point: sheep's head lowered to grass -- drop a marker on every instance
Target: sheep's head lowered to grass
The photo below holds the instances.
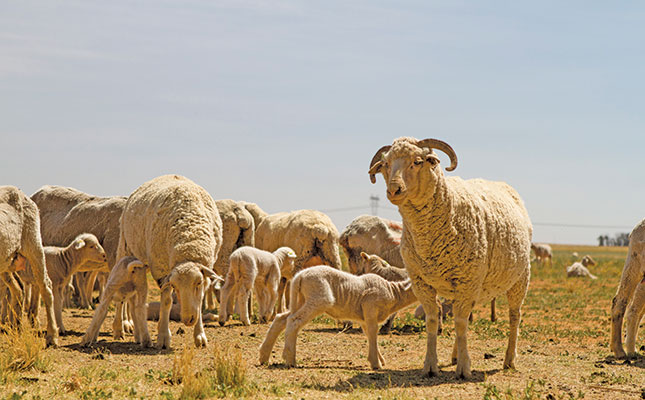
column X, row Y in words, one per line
column 188, row 280
column 410, row 167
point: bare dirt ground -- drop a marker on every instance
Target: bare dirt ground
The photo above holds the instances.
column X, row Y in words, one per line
column 563, row 353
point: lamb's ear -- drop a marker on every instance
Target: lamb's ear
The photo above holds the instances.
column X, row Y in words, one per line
column 407, row 284
column 133, row 265
column 365, row 256
column 78, row 244
column 209, row 273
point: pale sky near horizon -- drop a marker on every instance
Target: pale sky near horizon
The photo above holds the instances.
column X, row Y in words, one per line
column 283, row 103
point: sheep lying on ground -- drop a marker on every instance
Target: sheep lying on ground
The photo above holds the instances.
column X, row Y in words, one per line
column 250, row 269
column 172, row 225
column 62, row 263
column 126, row 281
column 367, row 299
column 465, row 240
column 631, row 292
column 311, row 234
column 66, row 212
column 175, row 313
column 20, row 242
column 542, row 252
column 579, row 269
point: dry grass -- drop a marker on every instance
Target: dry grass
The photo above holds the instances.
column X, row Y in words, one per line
column 21, row 350
column 563, row 353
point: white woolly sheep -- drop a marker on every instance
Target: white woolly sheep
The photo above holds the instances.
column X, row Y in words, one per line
column 579, row 269
column 372, row 235
column 67, row 212
column 631, row 292
column 254, row 269
column 127, row 281
column 61, row 264
column 542, row 252
column 311, row 234
column 172, row 225
column 465, row 240
column 367, row 299
column 20, row 237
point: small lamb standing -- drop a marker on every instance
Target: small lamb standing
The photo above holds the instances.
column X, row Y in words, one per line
column 20, row 241
column 631, row 292
column 367, row 299
column 126, row 281
column 172, row 225
column 62, row 263
column 579, row 269
column 466, row 240
column 254, row 268
column 542, row 252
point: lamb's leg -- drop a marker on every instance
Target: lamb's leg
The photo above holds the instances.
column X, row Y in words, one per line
column 278, row 325
column 493, row 315
column 428, row 297
column 515, row 295
column 117, row 324
column 370, row 329
column 16, row 298
column 58, row 307
column 99, row 316
column 295, row 322
column 281, row 295
column 633, row 318
column 89, row 286
column 243, row 298
column 164, row 335
column 141, row 314
column 225, row 298
column 630, row 278
column 387, row 326
column 34, row 302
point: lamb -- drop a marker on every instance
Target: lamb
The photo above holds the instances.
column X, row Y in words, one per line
column 61, row 264
column 311, row 234
column 579, row 269
column 367, row 299
column 238, row 229
column 175, row 313
column 67, row 212
column 172, row 225
column 464, row 240
column 127, row 281
column 20, row 242
column 542, row 252
column 631, row 292
column 251, row 268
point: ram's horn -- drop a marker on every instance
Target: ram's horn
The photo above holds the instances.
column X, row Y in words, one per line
column 443, row 146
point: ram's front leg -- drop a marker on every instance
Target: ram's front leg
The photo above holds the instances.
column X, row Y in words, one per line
column 428, row 297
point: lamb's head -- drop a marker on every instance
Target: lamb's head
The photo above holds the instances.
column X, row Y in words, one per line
column 89, row 250
column 287, row 257
column 587, row 260
column 188, row 280
column 370, row 262
column 410, row 167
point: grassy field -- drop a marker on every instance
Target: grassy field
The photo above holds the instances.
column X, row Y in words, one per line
column 563, row 353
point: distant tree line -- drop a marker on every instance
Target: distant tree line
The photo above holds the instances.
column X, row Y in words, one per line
column 621, row 239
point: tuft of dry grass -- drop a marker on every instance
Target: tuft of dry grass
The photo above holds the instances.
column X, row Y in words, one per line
column 21, row 349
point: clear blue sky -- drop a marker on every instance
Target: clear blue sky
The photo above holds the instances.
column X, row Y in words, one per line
column 284, row 103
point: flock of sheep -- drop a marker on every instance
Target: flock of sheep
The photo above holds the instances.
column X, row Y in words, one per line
column 461, row 242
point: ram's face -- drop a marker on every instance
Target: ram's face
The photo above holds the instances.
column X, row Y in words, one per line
column 406, row 170
column 188, row 280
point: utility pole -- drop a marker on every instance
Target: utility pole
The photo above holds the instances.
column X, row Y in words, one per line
column 374, row 204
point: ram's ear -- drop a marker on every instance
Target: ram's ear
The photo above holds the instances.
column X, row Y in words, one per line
column 432, row 159
column 78, row 244
column 133, row 265
column 365, row 256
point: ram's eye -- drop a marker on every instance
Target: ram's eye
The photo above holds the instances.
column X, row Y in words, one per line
column 418, row 161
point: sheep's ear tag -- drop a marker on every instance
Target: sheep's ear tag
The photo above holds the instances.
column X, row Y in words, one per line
column 291, row 254
column 79, row 244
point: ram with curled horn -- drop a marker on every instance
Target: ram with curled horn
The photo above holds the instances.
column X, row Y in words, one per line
column 465, row 240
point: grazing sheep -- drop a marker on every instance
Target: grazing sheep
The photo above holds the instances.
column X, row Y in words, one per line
column 579, row 269
column 249, row 269
column 631, row 292
column 127, row 281
column 542, row 252
column 372, row 235
column 61, row 264
column 19, row 242
column 465, row 240
column 367, row 299
column 172, row 225
column 311, row 234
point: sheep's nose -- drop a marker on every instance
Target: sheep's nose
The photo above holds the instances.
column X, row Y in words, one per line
column 393, row 191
